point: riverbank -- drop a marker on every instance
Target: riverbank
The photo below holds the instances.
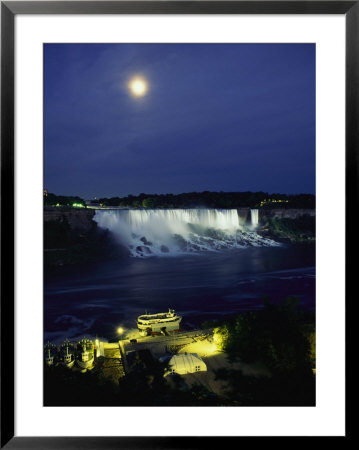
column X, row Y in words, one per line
column 299, row 229
column 71, row 237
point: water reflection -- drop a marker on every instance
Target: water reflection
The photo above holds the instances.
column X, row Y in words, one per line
column 99, row 297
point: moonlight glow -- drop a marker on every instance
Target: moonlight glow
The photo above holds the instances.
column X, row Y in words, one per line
column 138, row 86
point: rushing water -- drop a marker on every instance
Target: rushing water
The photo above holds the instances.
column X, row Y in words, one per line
column 95, row 299
column 254, row 217
column 180, row 231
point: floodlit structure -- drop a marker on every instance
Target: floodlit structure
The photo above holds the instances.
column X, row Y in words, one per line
column 158, row 323
column 185, row 363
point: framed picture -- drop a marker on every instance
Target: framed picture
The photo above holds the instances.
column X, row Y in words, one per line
column 175, row 182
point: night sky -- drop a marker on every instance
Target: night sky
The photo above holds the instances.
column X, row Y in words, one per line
column 231, row 117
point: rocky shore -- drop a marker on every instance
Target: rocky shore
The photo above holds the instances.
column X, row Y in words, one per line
column 71, row 237
column 295, row 228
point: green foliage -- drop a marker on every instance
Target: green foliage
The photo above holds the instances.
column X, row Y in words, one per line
column 63, row 200
column 209, row 200
column 276, row 336
column 149, row 202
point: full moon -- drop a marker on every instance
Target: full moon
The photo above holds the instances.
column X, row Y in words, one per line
column 138, row 86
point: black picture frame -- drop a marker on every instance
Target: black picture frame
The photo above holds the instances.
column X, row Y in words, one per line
column 9, row 9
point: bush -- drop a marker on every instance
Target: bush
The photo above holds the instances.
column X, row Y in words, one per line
column 276, row 336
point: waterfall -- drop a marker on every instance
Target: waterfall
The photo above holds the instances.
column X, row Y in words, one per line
column 254, row 217
column 168, row 232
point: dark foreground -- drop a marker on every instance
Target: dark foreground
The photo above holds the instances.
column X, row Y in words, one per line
column 278, row 341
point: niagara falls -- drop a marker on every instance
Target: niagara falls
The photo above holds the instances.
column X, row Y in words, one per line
column 175, row 231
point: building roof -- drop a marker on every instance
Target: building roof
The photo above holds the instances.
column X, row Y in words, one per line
column 185, row 361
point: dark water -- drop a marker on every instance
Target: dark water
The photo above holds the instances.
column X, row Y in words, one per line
column 95, row 299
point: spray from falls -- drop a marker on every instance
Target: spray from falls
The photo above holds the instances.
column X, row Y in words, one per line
column 174, row 231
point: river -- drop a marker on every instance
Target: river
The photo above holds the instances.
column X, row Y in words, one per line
column 95, row 299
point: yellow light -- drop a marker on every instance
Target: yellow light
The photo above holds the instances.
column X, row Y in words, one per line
column 138, row 86
column 120, row 330
column 220, row 337
column 217, row 339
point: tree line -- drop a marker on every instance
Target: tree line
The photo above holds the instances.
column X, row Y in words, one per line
column 63, row 200
column 205, row 199
column 212, row 200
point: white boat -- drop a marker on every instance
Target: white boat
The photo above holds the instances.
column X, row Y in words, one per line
column 158, row 323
